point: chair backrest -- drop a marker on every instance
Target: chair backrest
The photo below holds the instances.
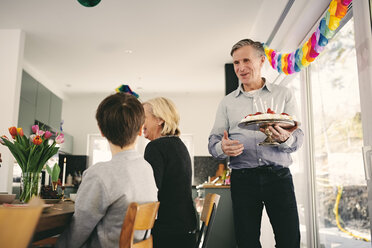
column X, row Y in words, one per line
column 207, row 216
column 18, row 223
column 138, row 217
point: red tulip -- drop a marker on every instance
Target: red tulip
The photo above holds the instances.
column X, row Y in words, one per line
column 13, row 131
column 37, row 140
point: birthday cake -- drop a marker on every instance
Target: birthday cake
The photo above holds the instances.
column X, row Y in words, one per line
column 270, row 115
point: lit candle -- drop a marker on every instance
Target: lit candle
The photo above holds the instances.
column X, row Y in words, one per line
column 255, row 104
column 64, row 172
column 263, row 109
column 46, row 178
column 272, row 104
column 276, row 108
column 283, row 106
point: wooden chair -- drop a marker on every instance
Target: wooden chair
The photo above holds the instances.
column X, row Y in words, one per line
column 17, row 224
column 138, row 217
column 207, row 217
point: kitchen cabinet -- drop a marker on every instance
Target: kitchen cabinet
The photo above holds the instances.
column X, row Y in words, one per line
column 222, row 232
column 29, row 88
column 27, row 104
column 55, row 112
column 38, row 103
column 42, row 104
column 26, row 116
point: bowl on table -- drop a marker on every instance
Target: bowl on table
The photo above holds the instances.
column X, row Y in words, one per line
column 7, row 198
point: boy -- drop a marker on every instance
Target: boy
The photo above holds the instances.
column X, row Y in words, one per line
column 108, row 188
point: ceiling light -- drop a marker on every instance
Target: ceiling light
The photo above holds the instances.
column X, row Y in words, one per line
column 89, row 3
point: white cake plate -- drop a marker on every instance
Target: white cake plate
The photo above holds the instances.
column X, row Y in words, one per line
column 256, row 124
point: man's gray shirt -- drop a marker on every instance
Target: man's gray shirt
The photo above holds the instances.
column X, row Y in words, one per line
column 238, row 104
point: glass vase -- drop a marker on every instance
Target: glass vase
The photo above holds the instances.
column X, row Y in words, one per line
column 30, row 185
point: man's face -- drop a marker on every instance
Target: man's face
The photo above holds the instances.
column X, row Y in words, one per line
column 247, row 65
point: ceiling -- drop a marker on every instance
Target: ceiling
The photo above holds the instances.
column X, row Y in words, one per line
column 154, row 46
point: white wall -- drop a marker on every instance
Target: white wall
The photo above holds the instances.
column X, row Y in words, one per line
column 11, row 50
column 197, row 112
column 78, row 114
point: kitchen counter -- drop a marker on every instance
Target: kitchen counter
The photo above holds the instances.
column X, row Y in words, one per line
column 222, row 230
column 214, row 186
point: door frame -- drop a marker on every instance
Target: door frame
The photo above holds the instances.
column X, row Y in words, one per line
column 363, row 46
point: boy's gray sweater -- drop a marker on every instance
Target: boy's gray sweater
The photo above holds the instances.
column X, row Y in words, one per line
column 103, row 197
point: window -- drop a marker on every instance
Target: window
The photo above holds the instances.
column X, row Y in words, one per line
column 340, row 186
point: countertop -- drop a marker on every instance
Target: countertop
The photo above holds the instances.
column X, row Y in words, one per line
column 212, row 186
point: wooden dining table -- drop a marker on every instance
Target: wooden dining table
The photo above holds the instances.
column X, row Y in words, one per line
column 54, row 220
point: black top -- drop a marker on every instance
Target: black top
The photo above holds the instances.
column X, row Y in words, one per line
column 171, row 163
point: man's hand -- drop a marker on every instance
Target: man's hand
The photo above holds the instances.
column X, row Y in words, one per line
column 280, row 134
column 230, row 147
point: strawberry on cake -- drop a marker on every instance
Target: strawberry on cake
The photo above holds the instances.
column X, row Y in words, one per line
column 270, row 115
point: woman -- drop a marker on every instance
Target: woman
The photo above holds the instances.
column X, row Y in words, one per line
column 170, row 160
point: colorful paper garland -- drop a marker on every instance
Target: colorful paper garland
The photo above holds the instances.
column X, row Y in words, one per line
column 290, row 63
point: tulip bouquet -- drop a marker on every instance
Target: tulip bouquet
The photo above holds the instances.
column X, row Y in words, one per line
column 31, row 154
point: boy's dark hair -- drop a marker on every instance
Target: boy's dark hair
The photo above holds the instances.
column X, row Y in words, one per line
column 120, row 117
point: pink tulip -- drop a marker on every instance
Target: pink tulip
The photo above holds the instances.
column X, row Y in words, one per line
column 35, row 128
column 40, row 132
column 47, row 135
column 60, row 138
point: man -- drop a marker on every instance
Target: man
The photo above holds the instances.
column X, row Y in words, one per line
column 260, row 175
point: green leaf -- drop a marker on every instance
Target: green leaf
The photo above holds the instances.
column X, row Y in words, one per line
column 49, row 170
column 54, row 173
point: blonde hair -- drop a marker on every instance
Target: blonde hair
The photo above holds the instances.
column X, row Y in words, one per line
column 165, row 109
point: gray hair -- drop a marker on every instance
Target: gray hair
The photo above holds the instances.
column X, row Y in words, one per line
column 248, row 42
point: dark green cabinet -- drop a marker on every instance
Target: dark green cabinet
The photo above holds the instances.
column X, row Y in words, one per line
column 38, row 103
column 26, row 116
column 55, row 112
column 29, row 88
column 42, row 104
column 222, row 232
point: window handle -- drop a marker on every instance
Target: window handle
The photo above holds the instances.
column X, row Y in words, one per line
column 367, row 161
